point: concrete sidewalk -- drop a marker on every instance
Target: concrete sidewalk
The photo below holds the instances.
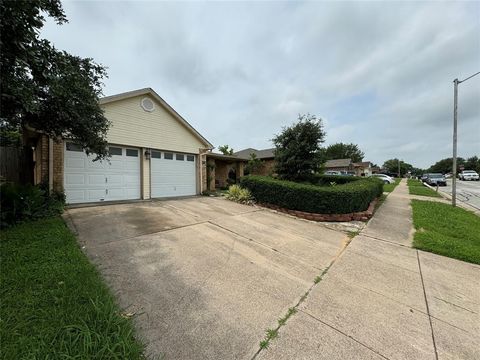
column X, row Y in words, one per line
column 383, row 299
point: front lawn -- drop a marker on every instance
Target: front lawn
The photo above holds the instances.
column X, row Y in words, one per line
column 445, row 230
column 415, row 187
column 54, row 305
column 390, row 187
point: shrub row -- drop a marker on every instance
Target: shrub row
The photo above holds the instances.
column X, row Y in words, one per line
column 351, row 197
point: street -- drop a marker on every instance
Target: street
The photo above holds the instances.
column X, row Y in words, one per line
column 467, row 191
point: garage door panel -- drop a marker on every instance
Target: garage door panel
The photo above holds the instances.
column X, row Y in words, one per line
column 86, row 180
column 172, row 177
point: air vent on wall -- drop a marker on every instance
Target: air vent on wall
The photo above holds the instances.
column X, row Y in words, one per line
column 147, row 104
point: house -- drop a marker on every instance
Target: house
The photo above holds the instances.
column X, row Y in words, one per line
column 363, row 168
column 155, row 153
column 267, row 156
column 223, row 170
column 344, row 165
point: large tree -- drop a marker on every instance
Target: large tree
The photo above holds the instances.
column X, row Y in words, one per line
column 298, row 148
column 43, row 88
column 392, row 166
column 446, row 165
column 344, row 151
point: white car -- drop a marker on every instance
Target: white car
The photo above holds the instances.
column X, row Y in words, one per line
column 469, row 175
column 386, row 179
column 332, row 172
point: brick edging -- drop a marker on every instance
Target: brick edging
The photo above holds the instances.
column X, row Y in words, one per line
column 358, row 216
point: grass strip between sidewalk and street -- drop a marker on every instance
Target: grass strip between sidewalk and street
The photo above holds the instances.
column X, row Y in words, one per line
column 390, row 187
column 54, row 304
column 446, row 230
column 415, row 187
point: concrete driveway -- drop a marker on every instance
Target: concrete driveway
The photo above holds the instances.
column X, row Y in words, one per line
column 205, row 277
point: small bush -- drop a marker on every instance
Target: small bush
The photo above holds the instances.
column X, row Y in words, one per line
column 353, row 196
column 28, row 202
column 238, row 194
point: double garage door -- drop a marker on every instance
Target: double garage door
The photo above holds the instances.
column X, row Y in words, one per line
column 119, row 177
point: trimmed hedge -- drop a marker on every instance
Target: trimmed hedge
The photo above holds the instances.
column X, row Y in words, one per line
column 351, row 197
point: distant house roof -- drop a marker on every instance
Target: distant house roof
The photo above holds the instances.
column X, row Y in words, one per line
column 337, row 163
column 364, row 164
column 261, row 154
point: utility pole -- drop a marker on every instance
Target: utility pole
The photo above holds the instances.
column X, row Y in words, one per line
column 454, row 165
column 399, row 173
column 454, row 162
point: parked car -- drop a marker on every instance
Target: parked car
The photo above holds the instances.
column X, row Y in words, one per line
column 424, row 177
column 332, row 172
column 469, row 175
column 386, row 179
column 436, row 180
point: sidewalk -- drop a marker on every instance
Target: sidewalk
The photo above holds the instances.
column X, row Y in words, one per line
column 383, row 299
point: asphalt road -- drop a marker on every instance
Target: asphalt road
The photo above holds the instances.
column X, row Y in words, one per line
column 467, row 191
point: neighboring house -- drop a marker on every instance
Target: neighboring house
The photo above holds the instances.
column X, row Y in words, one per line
column 363, row 168
column 267, row 156
column 154, row 151
column 344, row 165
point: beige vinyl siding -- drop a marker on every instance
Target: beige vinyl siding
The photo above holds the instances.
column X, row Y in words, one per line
column 131, row 125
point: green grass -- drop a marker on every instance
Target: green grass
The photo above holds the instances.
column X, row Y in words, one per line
column 54, row 304
column 445, row 230
column 391, row 187
column 415, row 187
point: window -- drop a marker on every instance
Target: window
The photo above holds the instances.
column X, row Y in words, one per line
column 115, row 150
column 190, row 158
column 168, row 156
column 74, row 147
column 180, row 157
column 132, row 152
column 156, row 154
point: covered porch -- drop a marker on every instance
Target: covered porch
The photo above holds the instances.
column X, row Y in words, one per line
column 223, row 170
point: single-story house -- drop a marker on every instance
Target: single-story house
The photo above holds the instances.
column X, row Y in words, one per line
column 346, row 165
column 267, row 156
column 154, row 152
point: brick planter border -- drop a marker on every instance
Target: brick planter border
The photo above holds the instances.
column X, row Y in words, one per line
column 357, row 216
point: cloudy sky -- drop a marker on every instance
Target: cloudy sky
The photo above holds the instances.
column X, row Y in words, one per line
column 379, row 74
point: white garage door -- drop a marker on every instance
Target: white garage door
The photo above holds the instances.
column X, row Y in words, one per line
column 172, row 174
column 89, row 181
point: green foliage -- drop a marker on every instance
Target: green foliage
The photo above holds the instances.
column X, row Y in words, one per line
column 239, row 194
column 416, row 187
column 225, row 150
column 298, row 153
column 54, row 303
column 392, row 166
column 44, row 88
column 391, row 187
column 27, row 202
column 446, row 230
column 10, row 135
column 254, row 164
column 445, row 166
column 340, row 199
column 344, row 151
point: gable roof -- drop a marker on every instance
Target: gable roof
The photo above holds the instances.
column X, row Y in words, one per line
column 261, row 154
column 151, row 92
column 338, row 163
column 363, row 164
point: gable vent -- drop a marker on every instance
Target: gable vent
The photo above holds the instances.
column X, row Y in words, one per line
column 147, row 104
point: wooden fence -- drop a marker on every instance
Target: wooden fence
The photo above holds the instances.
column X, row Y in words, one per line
column 16, row 164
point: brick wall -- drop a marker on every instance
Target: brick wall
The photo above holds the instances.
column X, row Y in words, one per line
column 267, row 168
column 58, row 165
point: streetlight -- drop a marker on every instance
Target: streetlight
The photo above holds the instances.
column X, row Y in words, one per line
column 455, row 106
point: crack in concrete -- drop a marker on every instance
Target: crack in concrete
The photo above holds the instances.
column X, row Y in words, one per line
column 428, row 309
column 305, row 296
column 458, row 306
column 344, row 334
